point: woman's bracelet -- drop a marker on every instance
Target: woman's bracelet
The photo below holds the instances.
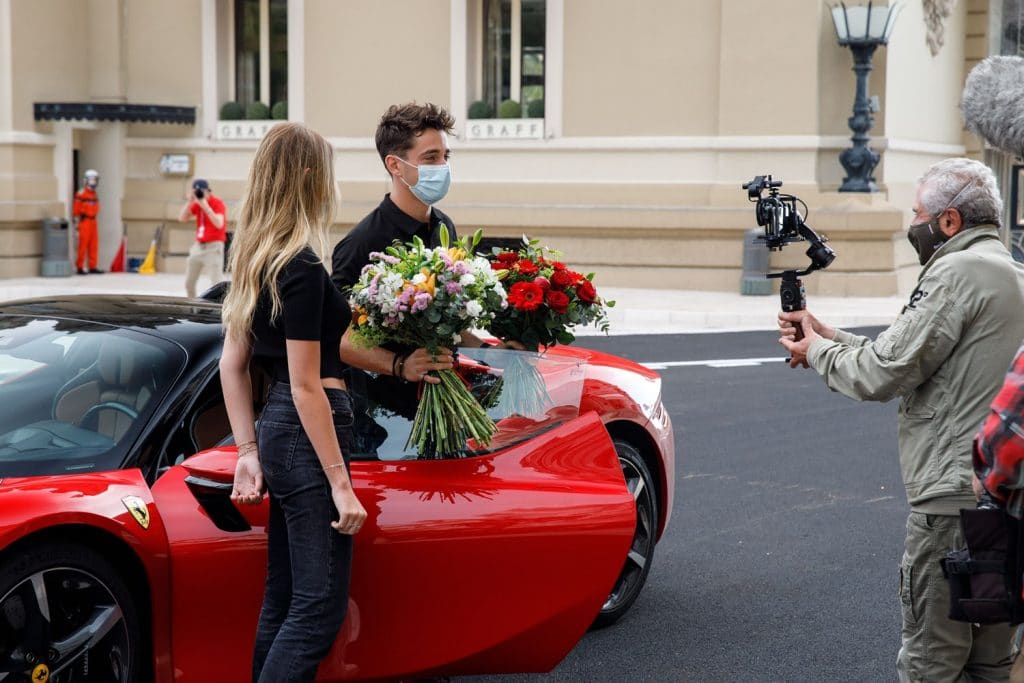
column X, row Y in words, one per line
column 331, row 467
column 247, row 448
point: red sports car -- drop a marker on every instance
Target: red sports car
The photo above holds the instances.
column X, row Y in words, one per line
column 123, row 559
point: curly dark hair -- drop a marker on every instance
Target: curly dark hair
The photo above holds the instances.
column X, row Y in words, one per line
column 402, row 123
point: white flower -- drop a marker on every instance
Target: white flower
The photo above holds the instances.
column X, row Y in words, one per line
column 456, row 338
column 419, row 279
column 474, row 309
column 467, row 279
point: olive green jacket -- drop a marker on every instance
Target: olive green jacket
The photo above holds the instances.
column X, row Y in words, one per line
column 945, row 355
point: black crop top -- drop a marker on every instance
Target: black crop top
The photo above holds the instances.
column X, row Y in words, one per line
column 312, row 309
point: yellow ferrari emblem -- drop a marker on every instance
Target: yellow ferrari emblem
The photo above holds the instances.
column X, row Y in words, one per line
column 41, row 674
column 138, row 509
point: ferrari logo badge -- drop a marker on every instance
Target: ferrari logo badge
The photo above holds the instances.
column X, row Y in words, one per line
column 41, row 673
column 137, row 507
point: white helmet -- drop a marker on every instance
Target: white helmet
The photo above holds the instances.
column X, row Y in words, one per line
column 92, row 174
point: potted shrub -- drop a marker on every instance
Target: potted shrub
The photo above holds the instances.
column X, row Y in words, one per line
column 279, row 111
column 232, row 111
column 480, row 110
column 257, row 111
column 510, row 109
column 535, row 109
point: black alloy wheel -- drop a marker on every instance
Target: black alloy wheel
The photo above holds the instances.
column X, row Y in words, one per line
column 66, row 617
column 641, row 552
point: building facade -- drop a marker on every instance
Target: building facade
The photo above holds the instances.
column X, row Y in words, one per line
column 617, row 132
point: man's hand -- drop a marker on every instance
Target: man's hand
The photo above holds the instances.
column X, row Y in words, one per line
column 788, row 323
column 510, row 344
column 979, row 489
column 421, row 361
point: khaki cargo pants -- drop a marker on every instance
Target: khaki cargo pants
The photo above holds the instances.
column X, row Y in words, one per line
column 204, row 257
column 935, row 648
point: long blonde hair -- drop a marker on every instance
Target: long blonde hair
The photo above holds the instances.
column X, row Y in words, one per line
column 289, row 204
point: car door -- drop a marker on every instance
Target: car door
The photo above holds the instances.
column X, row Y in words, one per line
column 485, row 564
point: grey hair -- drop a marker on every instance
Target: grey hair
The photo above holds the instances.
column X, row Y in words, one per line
column 966, row 185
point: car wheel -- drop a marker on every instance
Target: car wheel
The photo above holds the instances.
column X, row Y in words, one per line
column 66, row 616
column 641, row 551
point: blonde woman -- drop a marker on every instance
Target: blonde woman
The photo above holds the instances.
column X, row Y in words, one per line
column 283, row 313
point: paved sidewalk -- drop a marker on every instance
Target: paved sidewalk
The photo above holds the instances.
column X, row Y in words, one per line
column 636, row 311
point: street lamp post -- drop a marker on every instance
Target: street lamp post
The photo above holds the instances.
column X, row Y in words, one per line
column 862, row 29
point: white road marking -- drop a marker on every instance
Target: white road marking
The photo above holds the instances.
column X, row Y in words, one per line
column 722, row 363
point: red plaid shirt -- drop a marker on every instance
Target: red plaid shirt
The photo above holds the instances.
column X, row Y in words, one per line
column 999, row 446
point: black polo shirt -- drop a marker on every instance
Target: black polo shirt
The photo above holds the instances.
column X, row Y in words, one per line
column 377, row 231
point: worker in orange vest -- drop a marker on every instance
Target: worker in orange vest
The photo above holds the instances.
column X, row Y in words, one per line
column 87, row 207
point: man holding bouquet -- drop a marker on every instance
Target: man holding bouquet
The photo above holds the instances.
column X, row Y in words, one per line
column 412, row 141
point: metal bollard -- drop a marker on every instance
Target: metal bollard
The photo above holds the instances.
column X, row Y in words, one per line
column 755, row 266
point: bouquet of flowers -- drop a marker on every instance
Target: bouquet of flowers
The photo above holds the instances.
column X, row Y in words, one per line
column 545, row 301
column 423, row 297
column 546, row 298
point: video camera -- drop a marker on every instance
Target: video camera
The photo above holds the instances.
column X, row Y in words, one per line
column 777, row 213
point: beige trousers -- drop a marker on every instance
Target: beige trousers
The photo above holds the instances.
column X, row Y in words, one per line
column 203, row 257
column 936, row 648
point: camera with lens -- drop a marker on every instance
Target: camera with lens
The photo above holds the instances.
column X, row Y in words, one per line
column 777, row 213
column 199, row 192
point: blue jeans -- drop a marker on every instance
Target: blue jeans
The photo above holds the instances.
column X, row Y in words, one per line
column 308, row 562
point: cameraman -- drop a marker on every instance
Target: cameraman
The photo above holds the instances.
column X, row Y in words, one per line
column 945, row 356
column 207, row 252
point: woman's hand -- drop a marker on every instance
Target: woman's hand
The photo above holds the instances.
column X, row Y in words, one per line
column 351, row 513
column 248, row 484
column 422, row 361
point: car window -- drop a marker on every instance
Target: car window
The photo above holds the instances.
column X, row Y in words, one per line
column 205, row 424
column 76, row 394
column 525, row 393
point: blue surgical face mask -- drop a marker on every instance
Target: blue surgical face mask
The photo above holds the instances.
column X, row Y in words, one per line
column 433, row 182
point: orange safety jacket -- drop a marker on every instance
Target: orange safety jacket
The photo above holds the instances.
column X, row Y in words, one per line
column 87, row 206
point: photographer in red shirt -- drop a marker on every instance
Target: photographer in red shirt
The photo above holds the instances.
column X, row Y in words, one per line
column 207, row 252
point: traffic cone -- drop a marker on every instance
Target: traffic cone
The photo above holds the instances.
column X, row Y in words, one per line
column 117, row 265
column 148, row 266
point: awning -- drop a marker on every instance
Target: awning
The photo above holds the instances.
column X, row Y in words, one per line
column 131, row 113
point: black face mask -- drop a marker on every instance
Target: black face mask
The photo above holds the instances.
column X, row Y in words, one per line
column 926, row 239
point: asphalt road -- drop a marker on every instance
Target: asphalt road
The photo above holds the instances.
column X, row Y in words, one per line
column 781, row 559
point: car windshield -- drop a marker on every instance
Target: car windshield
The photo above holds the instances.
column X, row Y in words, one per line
column 525, row 394
column 76, row 395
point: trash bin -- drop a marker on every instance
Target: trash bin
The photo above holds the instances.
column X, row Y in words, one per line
column 755, row 266
column 56, row 248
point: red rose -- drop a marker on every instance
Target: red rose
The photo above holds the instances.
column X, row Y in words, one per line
column 526, row 296
column 498, row 265
column 526, row 267
column 586, row 291
column 577, row 278
column 508, row 257
column 542, row 282
column 560, row 279
column 558, row 265
column 558, row 301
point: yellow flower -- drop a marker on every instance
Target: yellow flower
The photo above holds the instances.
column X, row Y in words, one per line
column 430, row 283
column 361, row 315
column 456, row 254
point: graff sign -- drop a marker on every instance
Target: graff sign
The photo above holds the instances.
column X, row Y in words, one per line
column 505, row 129
column 243, row 130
